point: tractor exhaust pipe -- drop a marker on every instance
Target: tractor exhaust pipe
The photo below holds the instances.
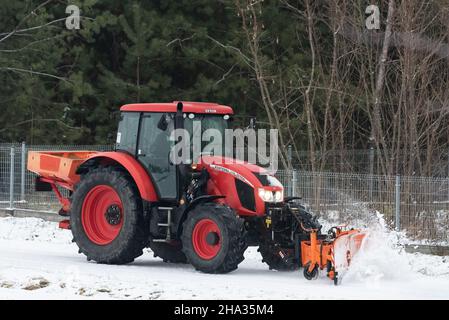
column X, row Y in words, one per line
column 179, row 117
column 181, row 169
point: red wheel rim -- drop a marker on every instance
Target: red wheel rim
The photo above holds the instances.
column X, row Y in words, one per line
column 102, row 215
column 206, row 239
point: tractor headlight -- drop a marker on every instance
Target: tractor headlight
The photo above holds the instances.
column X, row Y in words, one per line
column 279, row 196
column 271, row 196
column 266, row 195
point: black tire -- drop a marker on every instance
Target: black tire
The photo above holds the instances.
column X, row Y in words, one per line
column 232, row 240
column 270, row 256
column 168, row 252
column 312, row 275
column 336, row 279
column 133, row 235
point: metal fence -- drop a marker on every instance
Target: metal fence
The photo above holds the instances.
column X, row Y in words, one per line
column 417, row 205
column 370, row 161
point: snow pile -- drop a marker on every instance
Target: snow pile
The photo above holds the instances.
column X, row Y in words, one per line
column 382, row 257
column 38, row 261
column 430, row 266
column 32, row 229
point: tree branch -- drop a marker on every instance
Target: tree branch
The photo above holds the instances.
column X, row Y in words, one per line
column 39, row 120
column 34, row 73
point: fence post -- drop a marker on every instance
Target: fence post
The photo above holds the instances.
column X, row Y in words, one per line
column 371, row 172
column 289, row 172
column 398, row 204
column 448, row 174
column 294, row 180
column 22, row 177
column 11, row 181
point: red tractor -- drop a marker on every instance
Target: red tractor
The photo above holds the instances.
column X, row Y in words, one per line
column 205, row 213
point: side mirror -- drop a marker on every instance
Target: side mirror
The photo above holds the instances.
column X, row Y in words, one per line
column 163, row 123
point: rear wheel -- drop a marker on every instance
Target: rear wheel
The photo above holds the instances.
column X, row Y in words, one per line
column 169, row 252
column 106, row 218
column 213, row 238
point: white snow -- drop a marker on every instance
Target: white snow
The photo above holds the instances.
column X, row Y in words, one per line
column 38, row 261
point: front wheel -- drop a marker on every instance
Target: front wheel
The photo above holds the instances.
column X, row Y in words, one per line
column 213, row 238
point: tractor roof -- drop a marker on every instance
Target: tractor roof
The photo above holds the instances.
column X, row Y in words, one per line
column 189, row 107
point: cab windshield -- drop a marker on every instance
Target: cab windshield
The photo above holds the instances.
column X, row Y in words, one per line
column 209, row 130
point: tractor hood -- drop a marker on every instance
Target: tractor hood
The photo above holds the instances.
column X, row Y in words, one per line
column 247, row 187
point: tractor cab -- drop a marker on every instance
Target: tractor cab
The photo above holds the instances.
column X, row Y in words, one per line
column 146, row 132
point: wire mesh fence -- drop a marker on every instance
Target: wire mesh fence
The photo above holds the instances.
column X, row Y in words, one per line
column 418, row 205
column 369, row 161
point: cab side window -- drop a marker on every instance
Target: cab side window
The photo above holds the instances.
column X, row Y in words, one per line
column 127, row 132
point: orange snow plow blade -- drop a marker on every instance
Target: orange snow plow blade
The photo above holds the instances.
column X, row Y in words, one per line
column 333, row 253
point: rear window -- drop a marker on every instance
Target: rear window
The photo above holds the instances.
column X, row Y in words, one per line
column 127, row 132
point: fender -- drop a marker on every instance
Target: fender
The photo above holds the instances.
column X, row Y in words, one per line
column 130, row 164
column 202, row 199
column 193, row 204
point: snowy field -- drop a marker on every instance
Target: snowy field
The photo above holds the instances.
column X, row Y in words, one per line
column 38, row 261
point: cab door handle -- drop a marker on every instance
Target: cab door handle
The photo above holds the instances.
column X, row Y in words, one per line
column 140, row 154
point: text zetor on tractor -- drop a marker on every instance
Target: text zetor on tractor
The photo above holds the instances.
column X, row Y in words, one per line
column 206, row 213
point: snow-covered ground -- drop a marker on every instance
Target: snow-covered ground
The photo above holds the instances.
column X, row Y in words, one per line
column 38, row 261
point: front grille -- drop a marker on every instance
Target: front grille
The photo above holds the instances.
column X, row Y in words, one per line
column 246, row 195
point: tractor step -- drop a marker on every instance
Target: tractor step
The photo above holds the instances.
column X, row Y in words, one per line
column 166, row 225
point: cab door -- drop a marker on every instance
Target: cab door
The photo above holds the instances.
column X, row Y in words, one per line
column 153, row 152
